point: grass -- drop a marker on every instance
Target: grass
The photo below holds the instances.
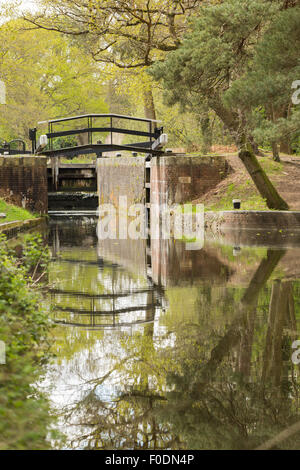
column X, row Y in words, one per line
column 250, row 199
column 14, row 213
column 245, row 190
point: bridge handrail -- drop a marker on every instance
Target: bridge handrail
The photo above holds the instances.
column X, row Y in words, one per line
column 118, row 116
column 5, row 147
column 99, row 129
column 153, row 134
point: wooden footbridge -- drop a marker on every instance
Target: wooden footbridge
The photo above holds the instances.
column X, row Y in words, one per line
column 98, row 134
column 74, row 185
column 90, row 134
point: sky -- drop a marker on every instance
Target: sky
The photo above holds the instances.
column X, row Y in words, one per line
column 24, row 4
column 28, row 4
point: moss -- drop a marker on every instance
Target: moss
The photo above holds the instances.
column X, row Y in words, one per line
column 87, row 160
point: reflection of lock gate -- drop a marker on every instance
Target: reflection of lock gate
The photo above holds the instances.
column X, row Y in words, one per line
column 140, row 314
column 98, row 134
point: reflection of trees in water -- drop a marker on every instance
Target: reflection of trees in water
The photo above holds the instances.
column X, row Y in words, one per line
column 239, row 397
column 220, row 376
column 128, row 421
column 229, row 385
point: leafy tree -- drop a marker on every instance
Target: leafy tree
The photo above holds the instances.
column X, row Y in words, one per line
column 218, row 51
column 46, row 76
column 24, row 328
column 265, row 90
column 127, row 34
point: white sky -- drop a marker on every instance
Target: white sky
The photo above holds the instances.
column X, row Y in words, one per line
column 24, row 4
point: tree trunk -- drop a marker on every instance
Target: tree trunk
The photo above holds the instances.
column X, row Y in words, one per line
column 262, row 182
column 149, row 106
column 247, row 335
column 236, row 126
column 285, row 146
column 255, row 147
column 273, row 308
column 285, row 142
column 276, row 156
column 206, row 132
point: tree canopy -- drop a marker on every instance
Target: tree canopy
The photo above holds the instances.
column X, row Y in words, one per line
column 46, row 75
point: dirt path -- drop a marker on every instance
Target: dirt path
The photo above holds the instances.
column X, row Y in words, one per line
column 288, row 182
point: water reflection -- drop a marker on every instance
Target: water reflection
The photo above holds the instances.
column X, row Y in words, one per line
column 159, row 347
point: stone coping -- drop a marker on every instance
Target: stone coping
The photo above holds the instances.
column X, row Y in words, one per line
column 11, row 228
column 255, row 220
column 22, row 160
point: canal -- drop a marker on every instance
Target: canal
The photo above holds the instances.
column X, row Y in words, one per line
column 196, row 353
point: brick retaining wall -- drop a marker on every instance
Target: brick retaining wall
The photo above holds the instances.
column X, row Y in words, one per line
column 179, row 179
column 23, row 182
column 174, row 179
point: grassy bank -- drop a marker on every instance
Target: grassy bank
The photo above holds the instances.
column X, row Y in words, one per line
column 239, row 185
column 24, row 328
column 14, row 213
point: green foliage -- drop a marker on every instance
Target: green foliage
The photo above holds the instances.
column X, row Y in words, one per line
column 24, row 326
column 46, row 76
column 35, row 257
column 62, row 142
column 265, row 88
column 240, row 57
column 214, row 53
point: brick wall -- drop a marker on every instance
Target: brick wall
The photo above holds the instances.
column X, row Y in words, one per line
column 174, row 179
column 177, row 179
column 23, row 182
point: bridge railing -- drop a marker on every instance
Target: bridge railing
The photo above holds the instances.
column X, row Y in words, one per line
column 95, row 138
column 8, row 148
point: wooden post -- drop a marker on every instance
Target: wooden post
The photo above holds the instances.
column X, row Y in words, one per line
column 55, row 172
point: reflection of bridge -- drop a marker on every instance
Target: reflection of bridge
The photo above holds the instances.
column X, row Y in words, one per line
column 161, row 263
column 114, row 313
column 118, row 306
column 99, row 296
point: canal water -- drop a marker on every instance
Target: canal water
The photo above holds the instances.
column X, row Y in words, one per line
column 158, row 346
